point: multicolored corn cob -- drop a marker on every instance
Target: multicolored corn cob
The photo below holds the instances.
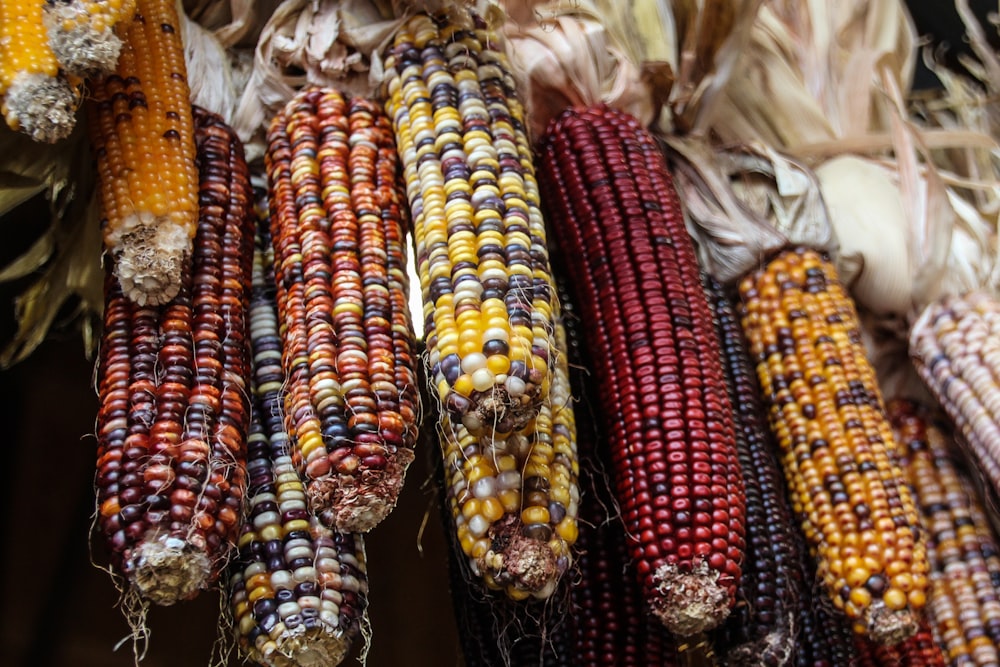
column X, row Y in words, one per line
column 480, row 239
column 665, row 407
column 38, row 99
column 955, row 345
column 762, row 628
column 827, row 413
column 964, row 602
column 920, row 650
column 515, row 500
column 298, row 590
column 82, row 33
column 142, row 137
column 337, row 224
column 173, row 384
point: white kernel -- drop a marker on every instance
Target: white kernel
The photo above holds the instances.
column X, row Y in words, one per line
column 265, row 519
column 287, row 609
column 473, row 362
column 331, row 618
column 281, row 579
column 515, row 386
column 496, row 333
column 484, row 487
column 482, row 379
column 478, row 525
column 472, row 422
column 298, row 552
column 304, row 573
column 509, row 480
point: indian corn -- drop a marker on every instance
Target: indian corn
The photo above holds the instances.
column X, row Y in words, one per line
column 664, row 405
column 82, row 33
column 337, row 224
column 827, row 413
column 173, row 385
column 142, row 138
column 480, row 238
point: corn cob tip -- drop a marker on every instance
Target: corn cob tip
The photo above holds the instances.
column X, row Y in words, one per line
column 778, row 645
column 81, row 47
column 41, row 106
column 689, row 603
column 353, row 504
column 166, row 570
column 522, row 565
column 887, row 626
column 495, row 411
column 151, row 255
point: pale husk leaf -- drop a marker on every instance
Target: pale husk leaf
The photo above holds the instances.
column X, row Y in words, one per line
column 209, row 71
column 572, row 59
column 744, row 204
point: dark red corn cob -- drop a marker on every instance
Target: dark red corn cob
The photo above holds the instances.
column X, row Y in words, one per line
column 635, row 278
column 297, row 589
column 338, row 224
column 173, row 383
column 920, row 650
column 823, row 638
column 761, row 629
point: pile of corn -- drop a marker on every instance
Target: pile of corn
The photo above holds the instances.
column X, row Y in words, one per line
column 645, row 465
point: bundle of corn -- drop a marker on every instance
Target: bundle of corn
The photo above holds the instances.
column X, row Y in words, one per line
column 143, row 141
column 964, row 601
column 297, row 589
column 666, row 410
column 762, row 628
column 837, row 445
column 480, row 238
column 337, row 225
column 173, row 383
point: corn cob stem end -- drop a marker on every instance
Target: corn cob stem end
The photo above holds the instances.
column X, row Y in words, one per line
column 688, row 603
column 887, row 626
column 41, row 106
column 318, row 647
column 166, row 570
column 350, row 504
column 516, row 561
column 82, row 50
column 149, row 258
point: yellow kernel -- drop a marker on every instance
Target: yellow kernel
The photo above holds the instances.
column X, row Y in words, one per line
column 894, row 599
column 568, row 530
column 535, row 515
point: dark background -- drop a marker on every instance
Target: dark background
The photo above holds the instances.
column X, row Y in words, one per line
column 57, row 609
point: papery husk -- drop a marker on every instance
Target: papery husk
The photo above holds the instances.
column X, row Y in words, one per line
column 572, row 59
column 744, row 204
column 210, row 74
column 235, row 23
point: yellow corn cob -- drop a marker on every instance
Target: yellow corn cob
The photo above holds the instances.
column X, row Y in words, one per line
column 82, row 33
column 37, row 99
column 515, row 500
column 836, row 443
column 142, row 136
column 964, row 604
column 480, row 238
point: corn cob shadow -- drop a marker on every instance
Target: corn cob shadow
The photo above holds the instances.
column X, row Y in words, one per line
column 173, row 384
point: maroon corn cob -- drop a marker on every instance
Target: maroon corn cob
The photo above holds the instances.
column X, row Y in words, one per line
column 635, row 279
column 173, row 382
column 824, row 638
column 761, row 629
column 338, row 224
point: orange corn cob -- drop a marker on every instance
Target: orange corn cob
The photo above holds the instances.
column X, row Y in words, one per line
column 826, row 410
column 143, row 141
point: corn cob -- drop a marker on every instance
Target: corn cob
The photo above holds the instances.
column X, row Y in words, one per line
column 480, row 239
column 173, row 383
column 836, row 442
column 963, row 605
column 666, row 410
column 824, row 638
column 38, row 99
column 920, row 650
column 82, row 33
column 338, row 224
column 142, row 137
column 954, row 345
column 761, row 630
column 298, row 589
column 515, row 500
